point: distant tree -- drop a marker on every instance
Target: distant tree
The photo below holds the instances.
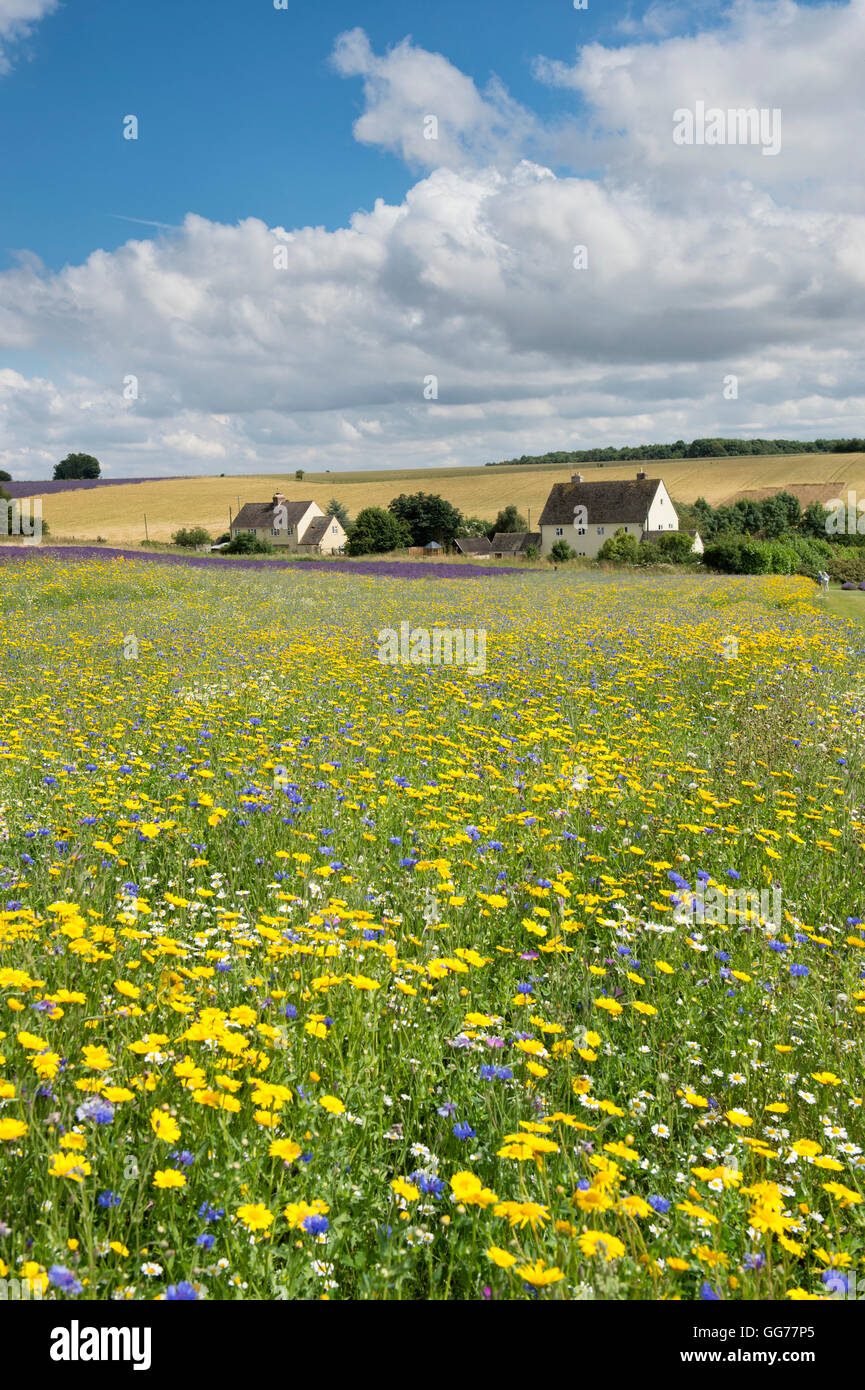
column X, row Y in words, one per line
column 376, row 531
column 428, row 517
column 508, row 519
column 340, row 511
column 708, row 449
column 299, row 475
column 792, row 506
column 192, row 538
column 5, row 477
column 77, row 466
column 473, row 526
column 813, row 521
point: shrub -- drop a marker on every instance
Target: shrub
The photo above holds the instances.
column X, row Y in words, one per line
column 192, row 538
column 755, row 558
column 621, row 548
column 648, row 554
column 847, row 566
column 561, row 553
column 675, row 547
column 724, row 554
column 245, row 544
column 782, row 559
column 532, row 552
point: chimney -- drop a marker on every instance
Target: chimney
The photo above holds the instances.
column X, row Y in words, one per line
column 576, row 477
column 278, row 499
column 642, row 475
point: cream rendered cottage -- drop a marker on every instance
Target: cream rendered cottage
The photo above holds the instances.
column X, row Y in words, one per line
column 299, row 526
column 587, row 514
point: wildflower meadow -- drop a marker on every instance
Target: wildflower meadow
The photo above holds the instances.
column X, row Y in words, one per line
column 325, row 975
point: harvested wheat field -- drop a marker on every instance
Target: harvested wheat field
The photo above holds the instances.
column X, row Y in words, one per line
column 117, row 513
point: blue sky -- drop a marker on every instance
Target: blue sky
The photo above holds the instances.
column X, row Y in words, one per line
column 240, row 112
column 408, row 258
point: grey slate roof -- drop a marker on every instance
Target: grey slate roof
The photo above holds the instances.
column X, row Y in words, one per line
column 261, row 514
column 473, row 545
column 317, row 530
column 514, row 542
column 628, row 499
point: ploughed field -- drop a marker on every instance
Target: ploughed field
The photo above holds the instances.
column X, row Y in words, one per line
column 324, row 976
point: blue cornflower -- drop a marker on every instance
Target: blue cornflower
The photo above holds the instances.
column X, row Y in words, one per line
column 432, row 1187
column 205, row 1240
column 315, row 1225
column 659, row 1204
column 708, row 1294
column 755, row 1260
column 209, row 1213
column 97, row 1109
column 837, row 1283
column 463, row 1131
column 181, row 1293
column 290, row 1011
column 731, row 873
column 63, row 1278
column 799, row 971
column 109, row 1199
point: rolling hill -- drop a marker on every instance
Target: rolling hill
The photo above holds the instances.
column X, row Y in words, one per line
column 117, row 513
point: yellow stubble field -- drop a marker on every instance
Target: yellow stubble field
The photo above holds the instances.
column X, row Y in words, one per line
column 117, row 513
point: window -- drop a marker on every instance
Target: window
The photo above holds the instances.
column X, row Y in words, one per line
column 274, row 530
column 560, row 530
column 334, row 530
column 600, row 530
column 251, row 531
column 581, row 530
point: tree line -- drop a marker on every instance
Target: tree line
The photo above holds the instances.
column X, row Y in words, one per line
column 696, row 449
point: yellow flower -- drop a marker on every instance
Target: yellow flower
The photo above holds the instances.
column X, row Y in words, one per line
column 842, row 1194
column 286, row 1149
column 468, row 1189
column 600, row 1243
column 538, row 1275
column 168, row 1177
column 297, row 1212
column 612, row 1006
column 332, row 1105
column 523, row 1213
column 12, row 1129
column 164, row 1126
column 738, row 1117
column 806, row 1148
column 69, row 1166
column 97, row 1058
column 255, row 1216
column 500, row 1257
column 405, row 1189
